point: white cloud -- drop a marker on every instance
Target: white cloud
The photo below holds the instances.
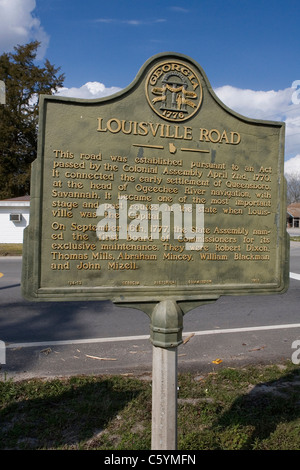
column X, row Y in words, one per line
column 179, row 9
column 292, row 166
column 18, row 25
column 130, row 22
column 272, row 106
column 89, row 90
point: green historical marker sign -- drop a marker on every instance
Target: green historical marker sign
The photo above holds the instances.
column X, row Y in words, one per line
column 157, row 192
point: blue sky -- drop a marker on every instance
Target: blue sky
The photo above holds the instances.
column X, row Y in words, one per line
column 247, row 44
column 249, row 49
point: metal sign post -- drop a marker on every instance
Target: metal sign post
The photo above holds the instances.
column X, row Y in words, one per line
column 164, row 399
column 161, row 198
column 166, row 335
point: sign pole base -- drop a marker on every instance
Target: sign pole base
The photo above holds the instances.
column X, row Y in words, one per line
column 166, row 335
column 164, row 399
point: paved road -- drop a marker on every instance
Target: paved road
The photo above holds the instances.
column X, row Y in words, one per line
column 55, row 339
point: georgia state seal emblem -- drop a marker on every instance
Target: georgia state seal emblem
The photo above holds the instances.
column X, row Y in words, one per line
column 174, row 90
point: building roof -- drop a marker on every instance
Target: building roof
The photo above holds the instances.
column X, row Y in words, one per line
column 20, row 198
column 294, row 209
column 22, row 201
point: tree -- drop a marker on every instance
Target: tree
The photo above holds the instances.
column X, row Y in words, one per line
column 24, row 82
column 293, row 188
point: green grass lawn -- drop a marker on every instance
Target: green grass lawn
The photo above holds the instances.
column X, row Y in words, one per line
column 11, row 249
column 249, row 408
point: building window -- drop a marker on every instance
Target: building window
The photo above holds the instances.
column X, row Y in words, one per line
column 15, row 217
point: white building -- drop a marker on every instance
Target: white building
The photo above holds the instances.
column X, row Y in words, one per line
column 14, row 217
